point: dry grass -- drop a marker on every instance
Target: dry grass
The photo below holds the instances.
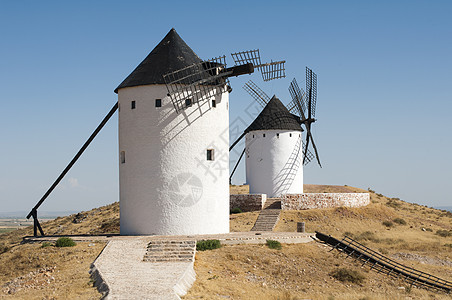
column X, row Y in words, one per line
column 29, row 271
column 300, row 271
column 250, row 271
column 239, row 189
column 304, row 271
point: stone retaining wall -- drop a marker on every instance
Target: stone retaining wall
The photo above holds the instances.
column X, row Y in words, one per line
column 323, row 200
column 248, row 202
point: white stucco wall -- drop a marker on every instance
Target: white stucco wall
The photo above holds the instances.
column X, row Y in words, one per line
column 167, row 186
column 274, row 165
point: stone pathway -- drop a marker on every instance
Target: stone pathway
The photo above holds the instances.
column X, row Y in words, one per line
column 158, row 267
column 121, row 272
column 267, row 219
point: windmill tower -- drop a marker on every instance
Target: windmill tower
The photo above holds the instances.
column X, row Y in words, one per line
column 173, row 140
column 173, row 168
column 274, row 155
column 274, row 146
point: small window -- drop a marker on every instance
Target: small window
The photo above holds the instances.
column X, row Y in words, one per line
column 158, row 102
column 214, row 103
column 264, row 134
column 187, row 102
column 299, row 134
column 253, row 136
column 277, row 135
column 133, row 105
column 123, row 157
column 290, row 134
column 210, row 154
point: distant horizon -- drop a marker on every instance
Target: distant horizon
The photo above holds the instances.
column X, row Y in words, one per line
column 44, row 214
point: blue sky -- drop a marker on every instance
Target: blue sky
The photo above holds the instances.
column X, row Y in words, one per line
column 384, row 76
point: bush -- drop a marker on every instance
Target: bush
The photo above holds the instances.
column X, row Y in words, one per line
column 46, row 244
column 444, row 233
column 65, row 242
column 207, row 245
column 274, row 244
column 3, row 248
column 393, row 203
column 349, row 234
column 236, row 210
column 347, row 275
column 399, row 221
column 367, row 236
column 387, row 223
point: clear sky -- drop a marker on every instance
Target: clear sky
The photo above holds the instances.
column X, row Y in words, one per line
column 384, row 87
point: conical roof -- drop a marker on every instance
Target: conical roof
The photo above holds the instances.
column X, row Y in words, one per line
column 275, row 116
column 171, row 54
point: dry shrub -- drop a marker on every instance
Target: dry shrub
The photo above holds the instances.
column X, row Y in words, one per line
column 3, row 248
column 399, row 221
column 388, row 223
column 444, row 233
column 348, row 275
column 367, row 236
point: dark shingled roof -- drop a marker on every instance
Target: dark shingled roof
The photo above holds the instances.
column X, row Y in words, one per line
column 275, row 116
column 171, row 54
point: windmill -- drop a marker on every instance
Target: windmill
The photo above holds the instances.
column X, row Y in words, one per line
column 274, row 146
column 173, row 158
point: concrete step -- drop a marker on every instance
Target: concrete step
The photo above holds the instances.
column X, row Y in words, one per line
column 267, row 219
column 170, row 251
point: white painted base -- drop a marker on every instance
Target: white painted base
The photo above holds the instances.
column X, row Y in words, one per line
column 274, row 163
column 167, row 185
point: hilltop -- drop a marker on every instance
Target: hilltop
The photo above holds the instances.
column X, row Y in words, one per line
column 415, row 235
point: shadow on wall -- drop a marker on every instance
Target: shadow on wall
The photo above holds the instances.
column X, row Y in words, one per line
column 203, row 107
column 286, row 176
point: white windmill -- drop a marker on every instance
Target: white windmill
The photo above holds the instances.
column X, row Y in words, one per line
column 173, row 141
column 274, row 146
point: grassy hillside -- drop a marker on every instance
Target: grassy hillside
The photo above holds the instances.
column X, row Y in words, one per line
column 31, row 271
column 415, row 235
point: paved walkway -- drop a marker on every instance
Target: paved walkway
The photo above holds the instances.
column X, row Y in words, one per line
column 121, row 272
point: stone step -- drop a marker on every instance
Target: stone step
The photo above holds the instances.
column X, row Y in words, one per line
column 267, row 219
column 170, row 251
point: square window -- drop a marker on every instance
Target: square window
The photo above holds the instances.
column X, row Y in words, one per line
column 158, row 102
column 132, row 104
column 187, row 102
column 214, row 103
column 210, row 154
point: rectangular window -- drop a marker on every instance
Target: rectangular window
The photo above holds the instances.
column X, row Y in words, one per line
column 158, row 102
column 187, row 102
column 264, row 134
column 133, row 104
column 277, row 135
column 123, row 157
column 214, row 103
column 210, row 154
